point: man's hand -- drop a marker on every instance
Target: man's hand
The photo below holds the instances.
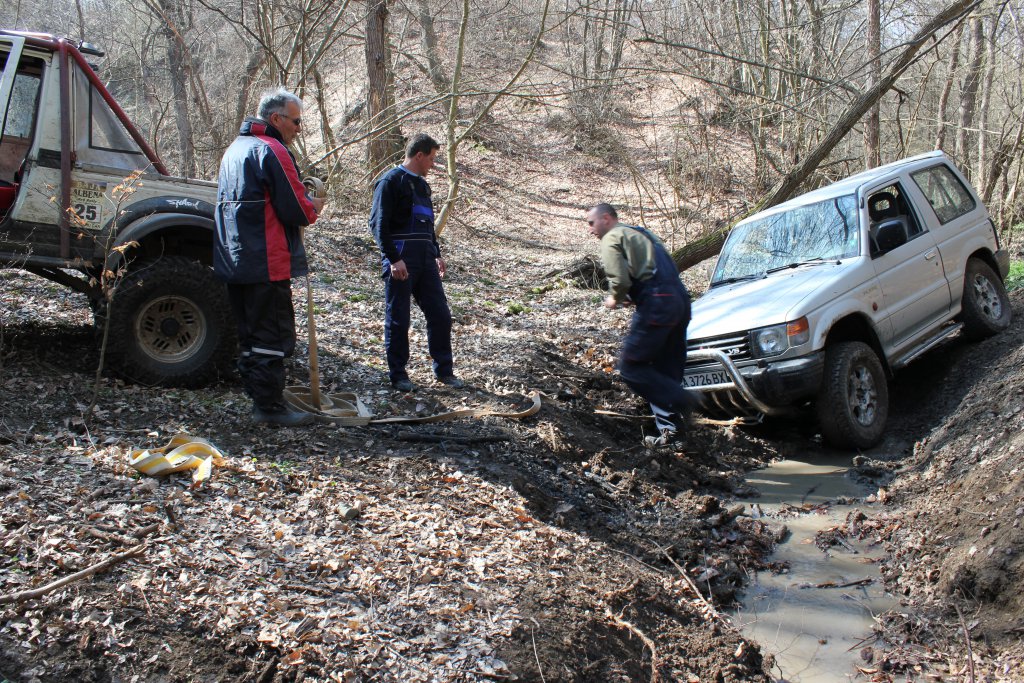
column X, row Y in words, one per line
column 399, row 271
column 441, row 268
column 611, row 303
column 318, row 204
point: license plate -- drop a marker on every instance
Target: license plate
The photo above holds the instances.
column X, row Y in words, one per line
column 706, row 379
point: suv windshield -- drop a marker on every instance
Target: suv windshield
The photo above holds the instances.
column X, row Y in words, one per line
column 815, row 233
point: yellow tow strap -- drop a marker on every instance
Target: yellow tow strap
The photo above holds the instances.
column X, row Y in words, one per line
column 183, row 452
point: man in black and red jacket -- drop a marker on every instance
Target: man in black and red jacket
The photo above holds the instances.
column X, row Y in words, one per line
column 261, row 208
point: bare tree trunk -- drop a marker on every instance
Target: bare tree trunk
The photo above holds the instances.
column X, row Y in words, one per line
column 384, row 148
column 257, row 59
column 954, row 64
column 321, row 101
column 969, row 97
column 81, row 20
column 453, row 141
column 710, row 244
column 171, row 13
column 986, row 101
column 428, row 40
column 872, row 125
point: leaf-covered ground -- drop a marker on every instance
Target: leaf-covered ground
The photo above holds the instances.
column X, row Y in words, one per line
column 553, row 548
column 488, row 549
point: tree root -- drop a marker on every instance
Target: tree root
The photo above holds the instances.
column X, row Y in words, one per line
column 22, row 596
column 622, row 623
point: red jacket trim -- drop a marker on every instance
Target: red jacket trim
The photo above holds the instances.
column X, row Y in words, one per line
column 292, row 173
column 279, row 257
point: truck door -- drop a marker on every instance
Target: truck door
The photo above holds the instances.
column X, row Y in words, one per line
column 10, row 53
column 907, row 265
column 960, row 222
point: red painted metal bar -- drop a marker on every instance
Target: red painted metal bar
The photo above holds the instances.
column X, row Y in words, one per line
column 49, row 42
column 66, row 148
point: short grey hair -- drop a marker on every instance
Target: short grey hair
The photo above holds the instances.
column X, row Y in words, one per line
column 275, row 102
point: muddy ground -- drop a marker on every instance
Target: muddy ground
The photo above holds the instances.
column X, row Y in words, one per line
column 553, row 548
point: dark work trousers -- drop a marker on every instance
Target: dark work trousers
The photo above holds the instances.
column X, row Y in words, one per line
column 423, row 286
column 266, row 336
column 653, row 354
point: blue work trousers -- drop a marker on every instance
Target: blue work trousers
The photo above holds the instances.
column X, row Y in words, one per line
column 423, row 286
column 653, row 356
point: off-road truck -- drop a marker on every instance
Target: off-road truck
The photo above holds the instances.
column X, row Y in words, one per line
column 65, row 145
column 819, row 300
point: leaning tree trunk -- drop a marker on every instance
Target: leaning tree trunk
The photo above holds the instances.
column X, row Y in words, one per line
column 428, row 41
column 986, row 103
column 171, row 13
column 385, row 143
column 710, row 244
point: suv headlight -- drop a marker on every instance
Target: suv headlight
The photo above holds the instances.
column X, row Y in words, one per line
column 777, row 339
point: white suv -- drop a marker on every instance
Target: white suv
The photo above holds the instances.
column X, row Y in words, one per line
column 818, row 300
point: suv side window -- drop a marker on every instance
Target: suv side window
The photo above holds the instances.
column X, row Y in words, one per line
column 944, row 191
column 893, row 221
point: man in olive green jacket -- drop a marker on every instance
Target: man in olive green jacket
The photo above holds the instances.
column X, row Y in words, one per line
column 640, row 271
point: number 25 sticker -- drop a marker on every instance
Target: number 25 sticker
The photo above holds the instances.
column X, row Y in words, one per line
column 87, row 202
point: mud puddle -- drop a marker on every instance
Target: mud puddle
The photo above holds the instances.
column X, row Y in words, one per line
column 816, row 614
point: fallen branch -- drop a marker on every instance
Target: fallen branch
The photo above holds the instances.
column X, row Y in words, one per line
column 693, row 587
column 622, row 623
column 77, row 576
column 113, row 537
column 536, row 656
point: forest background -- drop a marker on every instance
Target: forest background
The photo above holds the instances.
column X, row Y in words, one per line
column 689, row 112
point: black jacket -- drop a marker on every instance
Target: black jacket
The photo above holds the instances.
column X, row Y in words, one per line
column 261, row 204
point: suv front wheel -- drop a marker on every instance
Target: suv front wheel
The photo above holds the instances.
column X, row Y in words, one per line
column 853, row 404
column 170, row 324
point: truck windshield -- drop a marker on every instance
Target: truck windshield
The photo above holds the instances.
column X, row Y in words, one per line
column 814, row 233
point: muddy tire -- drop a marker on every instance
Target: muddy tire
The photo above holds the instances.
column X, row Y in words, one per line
column 853, row 404
column 170, row 324
column 985, row 307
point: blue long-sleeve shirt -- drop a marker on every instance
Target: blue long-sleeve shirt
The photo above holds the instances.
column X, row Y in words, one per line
column 391, row 213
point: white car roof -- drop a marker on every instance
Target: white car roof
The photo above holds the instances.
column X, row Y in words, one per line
column 852, row 184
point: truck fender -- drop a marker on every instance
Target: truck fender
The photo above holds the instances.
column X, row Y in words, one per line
column 167, row 204
column 142, row 228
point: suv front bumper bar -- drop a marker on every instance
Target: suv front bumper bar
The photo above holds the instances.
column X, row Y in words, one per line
column 786, row 381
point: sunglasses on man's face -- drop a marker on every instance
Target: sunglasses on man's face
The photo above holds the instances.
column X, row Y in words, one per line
column 297, row 122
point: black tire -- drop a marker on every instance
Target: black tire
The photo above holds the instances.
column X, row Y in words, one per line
column 853, row 404
column 985, row 308
column 170, row 324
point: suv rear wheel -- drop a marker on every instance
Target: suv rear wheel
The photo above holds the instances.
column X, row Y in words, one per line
column 986, row 307
column 853, row 404
column 170, row 324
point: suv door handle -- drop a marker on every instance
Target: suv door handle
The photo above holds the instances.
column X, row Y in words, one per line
column 930, row 255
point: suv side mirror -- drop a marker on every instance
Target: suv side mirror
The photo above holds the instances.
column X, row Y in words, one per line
column 890, row 234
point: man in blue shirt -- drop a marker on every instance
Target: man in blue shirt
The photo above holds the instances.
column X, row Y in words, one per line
column 402, row 223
